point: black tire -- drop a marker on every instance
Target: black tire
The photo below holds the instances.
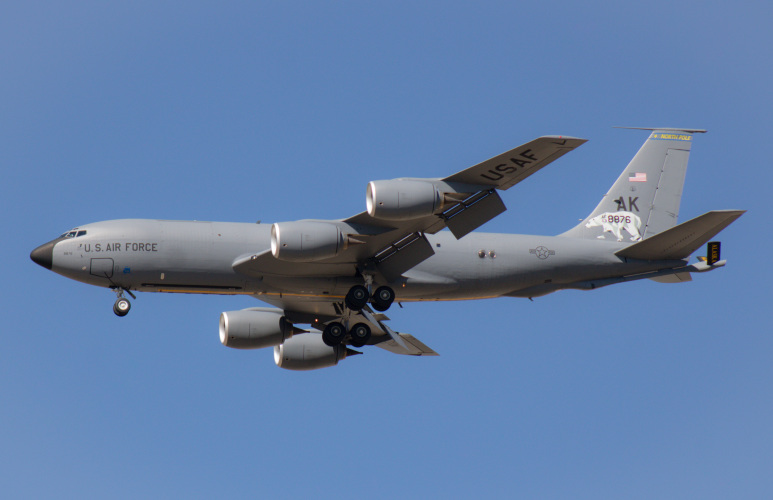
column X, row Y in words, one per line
column 383, row 298
column 360, row 334
column 357, row 298
column 333, row 334
column 122, row 307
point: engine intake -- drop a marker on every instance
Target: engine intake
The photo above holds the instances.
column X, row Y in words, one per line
column 402, row 199
column 254, row 328
column 308, row 352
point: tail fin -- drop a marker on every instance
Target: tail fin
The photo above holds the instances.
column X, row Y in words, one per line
column 645, row 198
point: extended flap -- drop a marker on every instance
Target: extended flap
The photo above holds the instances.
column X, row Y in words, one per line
column 467, row 216
column 403, row 255
column 413, row 346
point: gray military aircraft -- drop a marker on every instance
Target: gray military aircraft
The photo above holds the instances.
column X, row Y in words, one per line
column 340, row 276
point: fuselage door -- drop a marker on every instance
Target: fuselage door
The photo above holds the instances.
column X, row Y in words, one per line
column 102, row 267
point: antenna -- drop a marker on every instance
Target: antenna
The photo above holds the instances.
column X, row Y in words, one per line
column 688, row 130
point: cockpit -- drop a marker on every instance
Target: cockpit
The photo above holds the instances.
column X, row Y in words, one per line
column 74, row 233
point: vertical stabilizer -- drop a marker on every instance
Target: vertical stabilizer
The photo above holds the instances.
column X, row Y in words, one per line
column 645, row 198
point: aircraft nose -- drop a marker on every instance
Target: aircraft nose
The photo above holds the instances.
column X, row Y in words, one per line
column 44, row 254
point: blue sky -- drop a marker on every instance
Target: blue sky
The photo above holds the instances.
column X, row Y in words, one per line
column 285, row 110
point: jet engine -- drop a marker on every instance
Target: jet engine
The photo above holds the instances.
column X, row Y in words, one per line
column 402, row 199
column 306, row 241
column 308, row 352
column 254, row 328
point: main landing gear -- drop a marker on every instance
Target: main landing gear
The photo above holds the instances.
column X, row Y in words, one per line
column 356, row 299
column 122, row 306
column 335, row 333
column 383, row 298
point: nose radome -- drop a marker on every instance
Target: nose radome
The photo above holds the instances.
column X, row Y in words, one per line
column 44, row 254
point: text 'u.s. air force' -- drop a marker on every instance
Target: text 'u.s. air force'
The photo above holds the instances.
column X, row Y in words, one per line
column 129, row 246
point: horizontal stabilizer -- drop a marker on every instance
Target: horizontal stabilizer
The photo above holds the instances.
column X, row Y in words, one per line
column 673, row 278
column 413, row 346
column 682, row 240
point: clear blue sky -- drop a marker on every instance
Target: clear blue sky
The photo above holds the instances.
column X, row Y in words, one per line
column 242, row 111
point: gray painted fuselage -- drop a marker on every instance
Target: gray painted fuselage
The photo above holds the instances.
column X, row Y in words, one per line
column 197, row 257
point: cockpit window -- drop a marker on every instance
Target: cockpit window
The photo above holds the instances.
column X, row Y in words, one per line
column 73, row 234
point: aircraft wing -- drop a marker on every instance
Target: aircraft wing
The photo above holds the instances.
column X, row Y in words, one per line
column 305, row 309
column 390, row 243
column 511, row 167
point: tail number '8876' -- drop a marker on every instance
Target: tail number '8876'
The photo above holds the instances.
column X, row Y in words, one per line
column 620, row 219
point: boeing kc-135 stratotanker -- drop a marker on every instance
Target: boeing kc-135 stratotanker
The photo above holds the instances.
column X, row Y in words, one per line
column 340, row 276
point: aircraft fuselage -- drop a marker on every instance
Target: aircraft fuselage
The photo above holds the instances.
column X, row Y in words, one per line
column 197, row 257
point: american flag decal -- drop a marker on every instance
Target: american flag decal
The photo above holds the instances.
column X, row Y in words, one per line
column 638, row 177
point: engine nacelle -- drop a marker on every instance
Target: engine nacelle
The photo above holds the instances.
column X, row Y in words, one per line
column 402, row 199
column 308, row 352
column 254, row 328
column 306, row 241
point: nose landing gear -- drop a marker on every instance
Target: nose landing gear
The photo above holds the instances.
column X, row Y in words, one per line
column 122, row 306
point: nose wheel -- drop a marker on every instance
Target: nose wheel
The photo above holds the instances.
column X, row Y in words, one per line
column 122, row 307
